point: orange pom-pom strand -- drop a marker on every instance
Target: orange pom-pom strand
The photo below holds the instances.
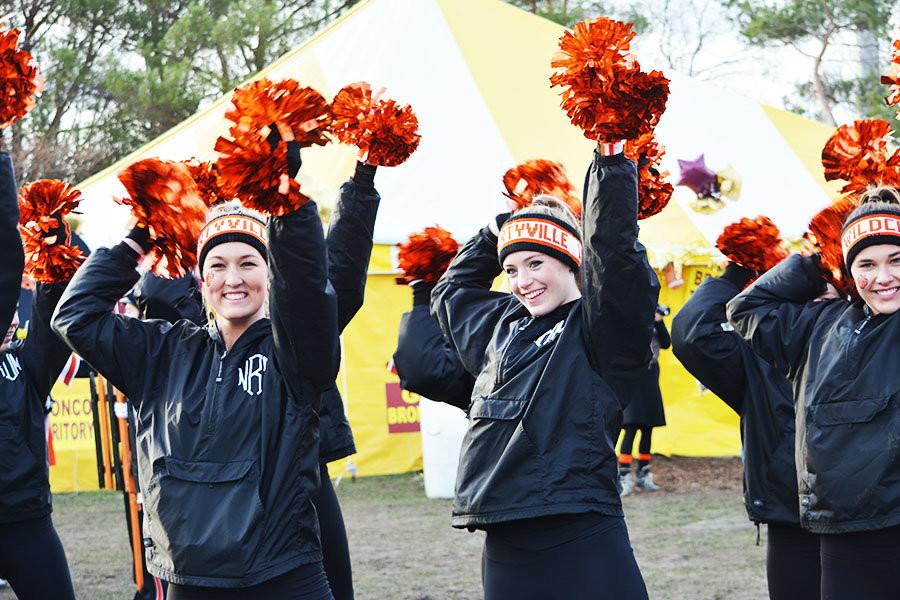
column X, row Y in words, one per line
column 206, row 175
column 385, row 132
column 426, row 255
column 892, row 77
column 859, row 154
column 43, row 205
column 605, row 93
column 261, row 103
column 164, row 198
column 20, row 81
column 535, row 177
column 825, row 235
column 654, row 192
column 754, row 244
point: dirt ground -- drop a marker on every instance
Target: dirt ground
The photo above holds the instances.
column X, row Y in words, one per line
column 692, row 540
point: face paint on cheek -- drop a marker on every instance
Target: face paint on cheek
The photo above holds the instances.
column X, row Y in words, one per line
column 862, row 283
column 207, row 281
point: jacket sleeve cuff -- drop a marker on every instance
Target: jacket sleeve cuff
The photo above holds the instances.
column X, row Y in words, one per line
column 365, row 174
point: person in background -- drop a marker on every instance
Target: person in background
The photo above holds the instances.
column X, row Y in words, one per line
column 12, row 255
column 643, row 411
column 710, row 349
column 841, row 359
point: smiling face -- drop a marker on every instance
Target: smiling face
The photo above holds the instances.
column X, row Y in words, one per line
column 540, row 282
column 235, row 278
column 876, row 271
column 10, row 333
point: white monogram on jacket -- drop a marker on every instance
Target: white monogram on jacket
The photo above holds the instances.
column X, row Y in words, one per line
column 551, row 335
column 11, row 368
column 250, row 375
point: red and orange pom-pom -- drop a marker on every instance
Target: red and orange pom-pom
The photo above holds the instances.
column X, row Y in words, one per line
column 206, row 175
column 754, row 244
column 426, row 255
column 535, row 177
column 251, row 172
column 261, row 103
column 20, row 81
column 859, row 154
column 385, row 132
column 892, row 77
column 43, row 204
column 605, row 93
column 164, row 198
column 654, row 192
column 825, row 234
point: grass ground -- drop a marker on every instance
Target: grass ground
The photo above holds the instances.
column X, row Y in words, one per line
column 692, row 541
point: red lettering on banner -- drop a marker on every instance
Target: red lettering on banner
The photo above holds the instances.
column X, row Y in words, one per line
column 402, row 414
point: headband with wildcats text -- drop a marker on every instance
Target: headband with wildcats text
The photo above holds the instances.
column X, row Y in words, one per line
column 234, row 227
column 541, row 233
column 869, row 230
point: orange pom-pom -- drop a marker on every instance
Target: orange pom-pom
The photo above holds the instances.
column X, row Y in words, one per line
column 825, row 234
column 654, row 192
column 426, row 255
column 43, row 204
column 892, row 77
column 754, row 244
column 859, row 154
column 385, row 132
column 164, row 198
column 261, row 103
column 534, row 177
column 605, row 93
column 206, row 175
column 20, row 81
column 258, row 177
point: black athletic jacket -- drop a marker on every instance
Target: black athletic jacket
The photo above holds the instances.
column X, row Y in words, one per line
column 845, row 371
column 715, row 354
column 227, row 442
column 349, row 245
column 27, row 374
column 12, row 256
column 543, row 420
column 425, row 361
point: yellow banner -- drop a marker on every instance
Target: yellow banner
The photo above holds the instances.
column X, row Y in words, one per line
column 72, row 428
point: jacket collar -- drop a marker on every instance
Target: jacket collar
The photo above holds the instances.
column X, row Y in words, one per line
column 253, row 334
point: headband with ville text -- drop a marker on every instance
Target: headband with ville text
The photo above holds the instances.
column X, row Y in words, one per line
column 541, row 233
column 233, row 227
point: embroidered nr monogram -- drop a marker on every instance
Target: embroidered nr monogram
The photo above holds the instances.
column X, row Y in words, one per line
column 250, row 375
column 551, row 335
column 11, row 369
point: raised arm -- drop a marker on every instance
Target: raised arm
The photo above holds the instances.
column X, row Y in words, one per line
column 462, row 301
column 12, row 255
column 350, row 241
column 619, row 287
column 44, row 354
column 425, row 362
column 776, row 314
column 121, row 348
column 706, row 344
column 302, row 302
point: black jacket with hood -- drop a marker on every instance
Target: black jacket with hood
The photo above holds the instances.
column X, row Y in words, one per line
column 710, row 349
column 349, row 243
column 543, row 420
column 12, row 255
column 227, row 440
column 425, row 361
column 27, row 374
column 843, row 364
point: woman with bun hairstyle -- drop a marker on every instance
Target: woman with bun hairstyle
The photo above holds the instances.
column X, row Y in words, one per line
column 227, row 424
column 537, row 469
column 841, row 359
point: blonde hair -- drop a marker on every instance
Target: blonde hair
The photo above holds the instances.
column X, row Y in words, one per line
column 880, row 193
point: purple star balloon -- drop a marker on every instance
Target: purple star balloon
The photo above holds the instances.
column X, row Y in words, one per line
column 697, row 176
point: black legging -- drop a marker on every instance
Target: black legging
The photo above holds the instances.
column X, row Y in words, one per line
column 335, row 550
column 565, row 557
column 628, row 439
column 33, row 561
column 307, row 582
column 792, row 563
column 861, row 565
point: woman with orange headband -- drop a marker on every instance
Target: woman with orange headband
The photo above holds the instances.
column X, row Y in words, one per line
column 537, row 470
column 841, row 358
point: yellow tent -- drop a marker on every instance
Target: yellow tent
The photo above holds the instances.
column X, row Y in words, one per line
column 476, row 72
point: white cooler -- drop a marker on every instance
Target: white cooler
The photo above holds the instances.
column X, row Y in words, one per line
column 443, row 427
